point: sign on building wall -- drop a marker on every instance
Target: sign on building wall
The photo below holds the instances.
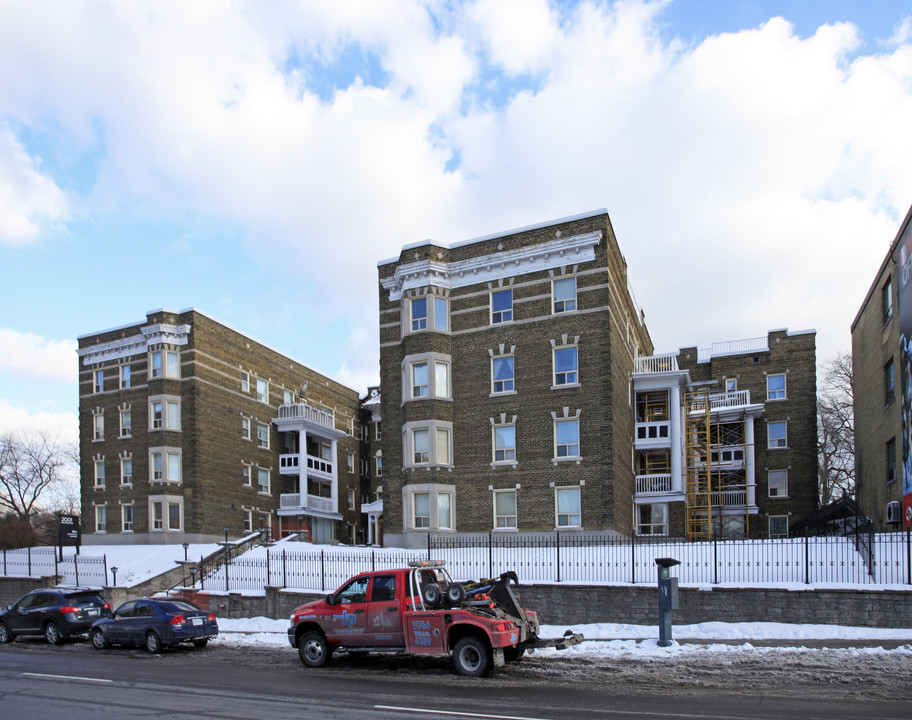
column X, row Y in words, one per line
column 905, row 355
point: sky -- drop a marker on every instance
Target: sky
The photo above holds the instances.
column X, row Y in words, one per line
column 257, row 160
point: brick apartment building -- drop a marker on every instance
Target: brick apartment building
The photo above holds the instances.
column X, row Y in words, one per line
column 725, row 441
column 882, row 389
column 189, row 429
column 505, row 365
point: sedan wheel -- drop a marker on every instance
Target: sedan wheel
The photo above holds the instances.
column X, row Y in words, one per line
column 98, row 639
column 6, row 635
column 52, row 633
column 153, row 643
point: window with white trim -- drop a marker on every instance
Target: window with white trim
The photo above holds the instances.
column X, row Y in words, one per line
column 731, row 385
column 287, row 397
column 245, row 428
column 501, row 306
column 165, row 413
column 164, row 363
column 428, row 312
column 126, row 518
column 126, row 471
column 263, row 480
column 426, row 376
column 98, row 426
column 777, row 434
column 886, row 299
column 429, row 506
column 246, row 475
column 504, row 442
column 502, row 374
column 377, row 433
column 126, row 423
column 567, row 506
column 378, row 465
column 165, row 465
column 166, row 513
column 126, row 379
column 652, row 519
column 350, row 462
column 263, row 435
column 419, row 313
column 351, row 498
column 566, row 366
column 504, row 509
column 99, row 464
column 245, row 382
column 98, row 376
column 563, row 291
column 101, row 518
column 775, row 387
column 262, row 390
column 778, row 483
column 566, row 438
column 441, row 314
column 428, row 443
column 420, row 380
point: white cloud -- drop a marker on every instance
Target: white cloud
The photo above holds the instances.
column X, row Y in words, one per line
column 29, row 199
column 62, row 426
column 32, row 357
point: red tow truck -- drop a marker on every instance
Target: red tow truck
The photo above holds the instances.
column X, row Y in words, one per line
column 420, row 610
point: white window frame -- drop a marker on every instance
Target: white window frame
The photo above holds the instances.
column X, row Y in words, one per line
column 499, row 317
column 172, row 463
column 156, row 367
column 565, row 378
column 378, row 434
column 126, row 478
column 101, row 519
column 261, row 474
column 441, row 502
column 287, row 397
column 245, row 382
column 126, row 509
column 418, row 323
column 165, row 503
column 776, row 393
column 661, row 525
column 350, row 462
column 125, row 377
column 439, row 381
column 262, row 436
column 565, row 303
column 731, row 385
column 568, row 491
column 780, row 443
column 503, row 521
column 777, row 483
column 126, row 423
column 503, row 389
column 246, row 475
column 245, row 428
column 99, row 472
column 247, row 520
column 351, row 498
column 505, row 455
column 98, row 380
column 170, row 412
column 441, row 307
column 378, row 464
column 558, row 457
column 97, row 426
column 436, row 316
column 262, row 390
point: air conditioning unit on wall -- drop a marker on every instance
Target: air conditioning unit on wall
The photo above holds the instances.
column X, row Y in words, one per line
column 894, row 512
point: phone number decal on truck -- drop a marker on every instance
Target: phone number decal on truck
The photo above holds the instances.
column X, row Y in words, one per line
column 422, row 631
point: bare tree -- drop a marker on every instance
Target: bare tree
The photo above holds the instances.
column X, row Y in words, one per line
column 33, row 464
column 836, row 430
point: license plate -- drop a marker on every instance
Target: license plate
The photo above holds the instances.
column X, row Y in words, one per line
column 92, row 611
column 196, row 621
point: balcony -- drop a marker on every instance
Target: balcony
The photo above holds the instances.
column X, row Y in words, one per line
column 720, row 401
column 730, row 498
column 656, row 364
column 303, row 411
column 299, row 501
column 653, row 484
column 652, row 434
column 290, row 464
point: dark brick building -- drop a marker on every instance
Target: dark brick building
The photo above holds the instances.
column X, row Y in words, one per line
column 505, row 366
column 725, row 441
column 188, row 427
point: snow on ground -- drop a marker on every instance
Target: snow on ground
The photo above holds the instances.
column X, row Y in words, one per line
column 138, row 563
column 623, row 639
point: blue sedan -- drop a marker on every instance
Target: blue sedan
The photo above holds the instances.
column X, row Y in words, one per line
column 155, row 623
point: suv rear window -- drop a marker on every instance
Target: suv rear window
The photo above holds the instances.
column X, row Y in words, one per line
column 86, row 599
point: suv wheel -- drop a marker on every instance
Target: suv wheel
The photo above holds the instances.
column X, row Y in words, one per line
column 471, row 657
column 6, row 635
column 52, row 633
column 314, row 650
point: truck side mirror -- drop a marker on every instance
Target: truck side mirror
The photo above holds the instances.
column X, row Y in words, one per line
column 330, row 599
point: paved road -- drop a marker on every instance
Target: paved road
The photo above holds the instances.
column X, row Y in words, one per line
column 75, row 681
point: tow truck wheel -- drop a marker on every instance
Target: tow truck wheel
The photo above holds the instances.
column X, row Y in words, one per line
column 512, row 654
column 455, row 594
column 471, row 657
column 314, row 650
column 431, row 595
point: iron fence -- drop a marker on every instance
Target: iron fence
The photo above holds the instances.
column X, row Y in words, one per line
column 43, row 561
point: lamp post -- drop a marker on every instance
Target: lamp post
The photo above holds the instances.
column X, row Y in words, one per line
column 226, row 533
column 186, row 545
column 114, row 573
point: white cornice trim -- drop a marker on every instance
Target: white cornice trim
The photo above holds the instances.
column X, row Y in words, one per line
column 134, row 344
column 488, row 268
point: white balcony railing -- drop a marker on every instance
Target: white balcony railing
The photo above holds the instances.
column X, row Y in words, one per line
column 653, row 484
column 316, row 466
column 656, row 364
column 730, row 498
column 299, row 501
column 720, row 401
column 733, row 347
column 303, row 411
column 289, row 462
